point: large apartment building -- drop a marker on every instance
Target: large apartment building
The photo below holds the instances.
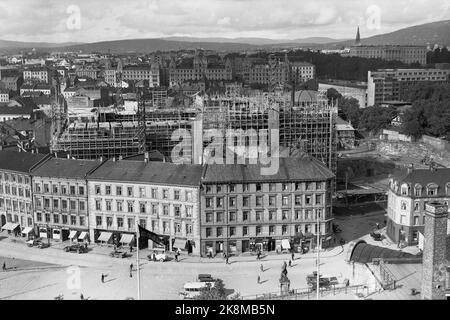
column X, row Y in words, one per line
column 408, row 194
column 148, row 73
column 162, row 197
column 392, row 84
column 405, row 54
column 61, row 198
column 16, row 211
column 243, row 210
column 37, row 74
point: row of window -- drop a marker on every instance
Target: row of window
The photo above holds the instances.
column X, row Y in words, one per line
column 13, row 177
column 59, row 204
column 59, row 189
column 271, row 187
column 142, row 192
column 144, row 207
column 61, row 219
column 119, row 223
column 256, row 230
column 259, row 216
column 15, row 191
column 15, row 206
column 272, row 201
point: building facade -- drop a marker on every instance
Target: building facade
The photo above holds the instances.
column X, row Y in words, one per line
column 408, row 195
column 161, row 197
column 138, row 73
column 392, row 84
column 37, row 74
column 61, row 199
column 405, row 54
column 16, row 210
column 243, row 210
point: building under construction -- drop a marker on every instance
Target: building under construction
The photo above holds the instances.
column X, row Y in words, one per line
column 306, row 126
column 104, row 139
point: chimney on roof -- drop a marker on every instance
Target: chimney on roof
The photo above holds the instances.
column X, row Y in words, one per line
column 411, row 168
column 146, row 157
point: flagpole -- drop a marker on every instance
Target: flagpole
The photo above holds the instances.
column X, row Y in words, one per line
column 137, row 262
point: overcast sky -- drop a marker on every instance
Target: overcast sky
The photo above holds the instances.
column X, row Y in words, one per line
column 57, row 20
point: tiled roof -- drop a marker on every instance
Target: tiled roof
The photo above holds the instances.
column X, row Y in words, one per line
column 152, row 172
column 19, row 161
column 290, row 169
column 65, row 168
column 439, row 176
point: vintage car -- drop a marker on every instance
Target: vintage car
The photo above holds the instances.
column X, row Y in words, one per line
column 118, row 254
column 158, row 255
column 78, row 248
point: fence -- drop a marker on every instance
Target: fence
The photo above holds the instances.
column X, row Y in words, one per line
column 308, row 293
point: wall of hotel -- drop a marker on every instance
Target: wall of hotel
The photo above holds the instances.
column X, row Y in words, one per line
column 298, row 216
column 15, row 198
column 60, row 205
column 154, row 214
column 406, row 215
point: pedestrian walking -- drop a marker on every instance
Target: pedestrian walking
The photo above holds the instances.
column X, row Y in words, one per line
column 262, row 268
column 259, row 279
column 293, row 256
column 4, row 266
column 81, row 297
column 226, row 259
column 103, row 278
column 176, row 256
column 131, row 248
column 131, row 267
column 290, row 263
column 85, row 245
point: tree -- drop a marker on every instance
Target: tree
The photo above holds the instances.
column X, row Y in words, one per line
column 333, row 95
column 216, row 292
column 376, row 118
column 349, row 110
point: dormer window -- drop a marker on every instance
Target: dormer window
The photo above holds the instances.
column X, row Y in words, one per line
column 417, row 190
column 432, row 189
column 404, row 190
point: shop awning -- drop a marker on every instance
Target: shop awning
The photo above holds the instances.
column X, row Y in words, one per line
column 126, row 238
column 73, row 234
column 285, row 244
column 179, row 244
column 27, row 230
column 10, row 226
column 83, row 235
column 105, row 236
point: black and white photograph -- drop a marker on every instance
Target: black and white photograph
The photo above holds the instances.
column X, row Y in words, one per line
column 251, row 152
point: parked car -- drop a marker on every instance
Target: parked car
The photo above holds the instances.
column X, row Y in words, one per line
column 33, row 242
column 158, row 255
column 376, row 236
column 204, row 277
column 118, row 254
column 78, row 248
column 43, row 245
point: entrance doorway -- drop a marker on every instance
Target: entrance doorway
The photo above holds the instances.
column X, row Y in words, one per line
column 219, row 246
column 3, row 220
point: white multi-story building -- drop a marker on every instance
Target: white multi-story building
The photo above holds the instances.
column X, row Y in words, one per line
column 36, row 74
column 61, row 198
column 16, row 211
column 408, row 194
column 161, row 197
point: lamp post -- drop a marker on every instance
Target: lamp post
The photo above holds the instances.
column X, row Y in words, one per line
column 318, row 256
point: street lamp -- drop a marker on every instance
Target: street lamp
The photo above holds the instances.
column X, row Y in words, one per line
column 318, row 256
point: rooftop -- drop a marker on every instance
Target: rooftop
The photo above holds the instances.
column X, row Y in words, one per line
column 290, row 169
column 150, row 172
column 19, row 161
column 438, row 176
column 65, row 168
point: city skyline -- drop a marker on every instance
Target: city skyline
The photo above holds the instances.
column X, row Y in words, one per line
column 97, row 20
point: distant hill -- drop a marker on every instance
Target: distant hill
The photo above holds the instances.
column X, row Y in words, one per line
column 433, row 33
column 257, row 41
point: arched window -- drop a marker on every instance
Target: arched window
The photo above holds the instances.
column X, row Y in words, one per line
column 404, row 189
column 418, row 190
column 432, row 189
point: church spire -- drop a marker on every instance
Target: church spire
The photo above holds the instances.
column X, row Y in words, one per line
column 358, row 38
